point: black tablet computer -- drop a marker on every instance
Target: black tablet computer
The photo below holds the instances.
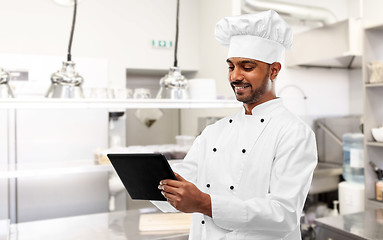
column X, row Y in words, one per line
column 141, row 173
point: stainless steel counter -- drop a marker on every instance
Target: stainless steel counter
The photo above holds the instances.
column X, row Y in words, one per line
column 114, row 226
column 363, row 225
column 4, row 229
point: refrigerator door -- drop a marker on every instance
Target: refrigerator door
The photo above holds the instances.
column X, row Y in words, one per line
column 50, row 135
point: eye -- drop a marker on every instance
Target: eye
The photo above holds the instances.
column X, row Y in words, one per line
column 248, row 68
column 231, row 68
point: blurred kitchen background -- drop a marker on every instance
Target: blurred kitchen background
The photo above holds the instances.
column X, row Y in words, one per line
column 53, row 159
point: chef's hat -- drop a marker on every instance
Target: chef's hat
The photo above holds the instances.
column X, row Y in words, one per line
column 262, row 36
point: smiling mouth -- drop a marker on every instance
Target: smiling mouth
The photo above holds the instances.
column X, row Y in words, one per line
column 238, row 88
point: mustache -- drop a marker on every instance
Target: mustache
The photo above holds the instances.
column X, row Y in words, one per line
column 239, row 84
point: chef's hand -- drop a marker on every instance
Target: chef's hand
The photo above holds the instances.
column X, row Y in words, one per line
column 185, row 196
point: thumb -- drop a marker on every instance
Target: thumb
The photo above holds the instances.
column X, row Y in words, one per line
column 179, row 177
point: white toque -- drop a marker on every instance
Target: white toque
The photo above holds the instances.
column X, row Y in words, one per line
column 262, row 36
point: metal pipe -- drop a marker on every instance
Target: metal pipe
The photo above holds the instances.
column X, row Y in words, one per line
column 330, row 133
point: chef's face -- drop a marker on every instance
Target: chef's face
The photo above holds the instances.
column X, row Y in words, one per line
column 252, row 80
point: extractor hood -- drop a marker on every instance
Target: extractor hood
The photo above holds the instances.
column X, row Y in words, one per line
column 337, row 45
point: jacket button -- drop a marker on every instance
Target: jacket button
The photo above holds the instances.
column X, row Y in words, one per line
column 214, row 149
column 231, row 120
column 231, row 187
column 208, row 185
column 203, row 222
column 262, row 120
column 243, row 150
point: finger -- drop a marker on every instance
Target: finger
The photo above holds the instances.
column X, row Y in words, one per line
column 166, row 181
column 173, row 183
column 169, row 189
column 172, row 203
column 179, row 177
column 169, row 197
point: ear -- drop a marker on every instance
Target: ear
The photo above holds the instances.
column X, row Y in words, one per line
column 275, row 67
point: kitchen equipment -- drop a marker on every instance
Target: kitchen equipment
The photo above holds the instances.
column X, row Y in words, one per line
column 66, row 83
column 334, row 211
column 100, row 93
column 141, row 93
column 174, row 84
column 376, row 71
column 5, row 90
column 379, row 182
column 351, row 197
column 146, row 116
column 122, row 93
column 117, row 142
column 329, row 132
column 353, row 161
column 377, row 133
column 46, row 141
column 117, row 129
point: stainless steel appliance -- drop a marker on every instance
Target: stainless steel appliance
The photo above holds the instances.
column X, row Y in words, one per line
column 329, row 133
column 173, row 85
column 5, row 90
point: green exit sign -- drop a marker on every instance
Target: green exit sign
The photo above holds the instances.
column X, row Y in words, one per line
column 162, row 43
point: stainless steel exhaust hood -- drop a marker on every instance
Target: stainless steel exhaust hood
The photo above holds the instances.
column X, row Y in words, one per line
column 337, row 45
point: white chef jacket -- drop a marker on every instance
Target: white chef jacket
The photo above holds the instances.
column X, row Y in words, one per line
column 257, row 170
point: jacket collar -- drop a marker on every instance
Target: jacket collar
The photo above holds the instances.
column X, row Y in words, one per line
column 265, row 108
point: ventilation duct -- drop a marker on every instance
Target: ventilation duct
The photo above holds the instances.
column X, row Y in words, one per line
column 301, row 12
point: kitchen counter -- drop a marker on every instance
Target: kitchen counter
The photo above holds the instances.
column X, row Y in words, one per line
column 4, row 229
column 362, row 225
column 40, row 169
column 44, row 103
column 120, row 225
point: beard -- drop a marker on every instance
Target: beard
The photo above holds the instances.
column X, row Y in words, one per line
column 255, row 94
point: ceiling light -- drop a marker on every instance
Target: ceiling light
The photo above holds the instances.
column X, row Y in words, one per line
column 66, row 83
column 174, row 85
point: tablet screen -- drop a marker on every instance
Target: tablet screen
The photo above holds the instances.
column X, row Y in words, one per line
column 141, row 173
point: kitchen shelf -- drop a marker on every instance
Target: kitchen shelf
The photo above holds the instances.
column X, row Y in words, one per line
column 116, row 103
column 373, row 112
column 52, row 169
column 372, row 85
column 373, row 25
column 41, row 169
column 375, row 144
column 374, row 203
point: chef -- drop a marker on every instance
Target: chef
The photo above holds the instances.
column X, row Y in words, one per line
column 247, row 176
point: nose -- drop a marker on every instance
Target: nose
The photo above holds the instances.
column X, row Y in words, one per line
column 236, row 75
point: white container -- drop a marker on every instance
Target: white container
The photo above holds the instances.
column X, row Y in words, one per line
column 376, row 71
column 377, row 133
column 202, row 88
column 351, row 197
